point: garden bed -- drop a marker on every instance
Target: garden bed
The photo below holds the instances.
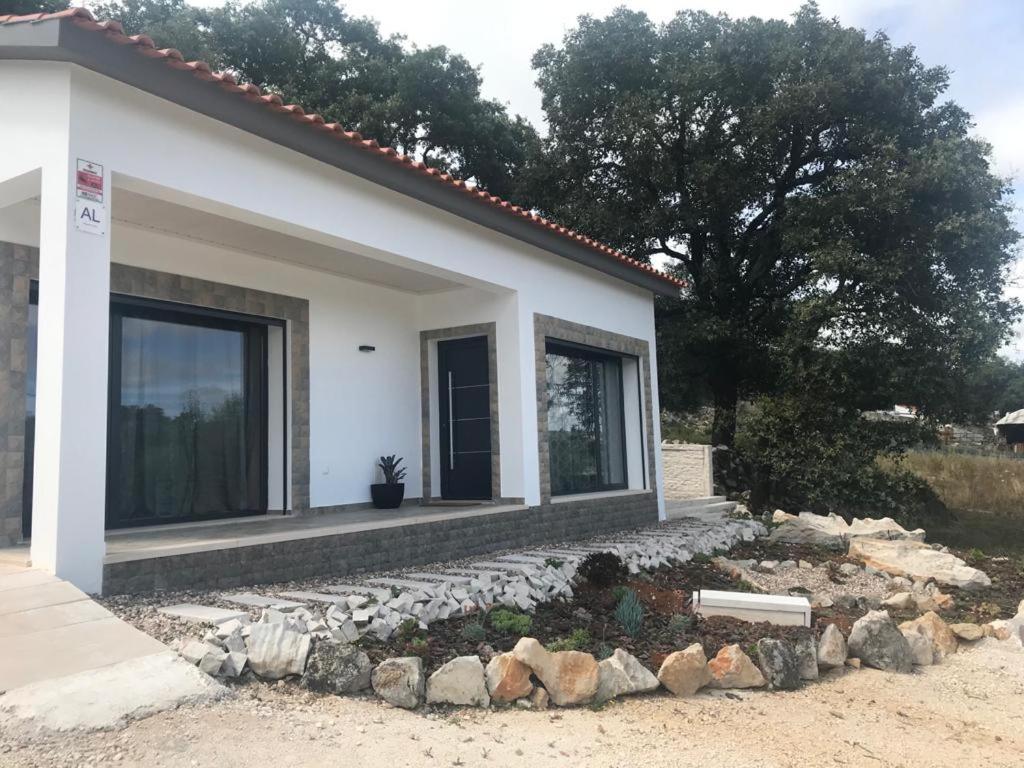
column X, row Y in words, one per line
column 587, row 623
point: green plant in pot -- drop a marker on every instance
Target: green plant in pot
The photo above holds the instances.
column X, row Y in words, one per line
column 389, row 494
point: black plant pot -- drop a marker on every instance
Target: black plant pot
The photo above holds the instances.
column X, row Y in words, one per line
column 387, row 495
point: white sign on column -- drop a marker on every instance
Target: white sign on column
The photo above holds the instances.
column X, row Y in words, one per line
column 90, row 211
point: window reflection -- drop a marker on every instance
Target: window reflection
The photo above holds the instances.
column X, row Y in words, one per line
column 586, row 444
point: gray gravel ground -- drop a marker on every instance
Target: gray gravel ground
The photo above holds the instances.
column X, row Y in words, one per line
column 966, row 711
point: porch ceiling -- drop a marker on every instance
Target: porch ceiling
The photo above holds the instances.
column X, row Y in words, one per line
column 140, row 210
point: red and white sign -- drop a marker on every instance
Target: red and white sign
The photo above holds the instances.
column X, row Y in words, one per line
column 89, row 181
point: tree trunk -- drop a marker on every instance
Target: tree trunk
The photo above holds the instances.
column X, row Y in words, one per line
column 723, row 428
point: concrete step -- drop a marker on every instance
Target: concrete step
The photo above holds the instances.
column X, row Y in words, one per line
column 674, row 512
column 698, row 502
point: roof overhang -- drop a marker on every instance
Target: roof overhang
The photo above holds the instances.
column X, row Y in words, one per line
column 61, row 39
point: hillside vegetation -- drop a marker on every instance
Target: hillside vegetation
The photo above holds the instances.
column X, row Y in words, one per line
column 992, row 484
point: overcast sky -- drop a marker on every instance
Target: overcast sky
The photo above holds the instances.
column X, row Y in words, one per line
column 979, row 40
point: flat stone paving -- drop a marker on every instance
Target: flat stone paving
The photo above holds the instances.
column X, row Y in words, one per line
column 202, row 614
column 259, row 601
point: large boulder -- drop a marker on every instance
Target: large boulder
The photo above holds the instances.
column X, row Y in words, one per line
column 884, row 528
column 276, row 650
column 878, row 642
column 732, row 668
column 337, row 668
column 685, row 672
column 508, row 679
column 967, row 631
column 916, row 560
column 779, row 664
column 621, row 675
column 831, row 648
column 940, row 637
column 920, row 648
column 460, row 681
column 806, row 651
column 813, row 530
column 399, row 681
column 570, row 677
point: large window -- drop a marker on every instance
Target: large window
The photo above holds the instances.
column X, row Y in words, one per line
column 586, row 433
column 187, row 438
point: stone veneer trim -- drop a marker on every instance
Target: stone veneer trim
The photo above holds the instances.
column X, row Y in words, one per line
column 546, row 327
column 20, row 264
column 460, row 332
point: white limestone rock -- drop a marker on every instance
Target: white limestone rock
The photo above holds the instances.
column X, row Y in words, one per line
column 276, row 651
column 831, row 648
column 400, row 681
column 461, row 682
column 915, row 560
column 621, row 675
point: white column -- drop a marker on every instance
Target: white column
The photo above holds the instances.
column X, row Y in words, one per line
column 68, row 505
column 528, row 390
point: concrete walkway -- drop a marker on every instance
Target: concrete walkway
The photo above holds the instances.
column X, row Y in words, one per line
column 66, row 661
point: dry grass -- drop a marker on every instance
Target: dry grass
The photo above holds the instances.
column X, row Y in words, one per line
column 989, row 484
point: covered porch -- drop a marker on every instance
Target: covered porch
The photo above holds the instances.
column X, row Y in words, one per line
column 349, row 371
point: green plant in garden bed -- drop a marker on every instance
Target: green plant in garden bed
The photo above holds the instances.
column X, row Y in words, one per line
column 474, row 632
column 630, row 613
column 408, row 629
column 577, row 641
column 680, row 623
column 510, row 623
column 553, row 562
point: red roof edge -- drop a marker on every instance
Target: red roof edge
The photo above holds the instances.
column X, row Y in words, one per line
column 114, row 32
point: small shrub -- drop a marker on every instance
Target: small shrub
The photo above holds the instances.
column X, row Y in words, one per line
column 578, row 640
column 604, row 651
column 975, row 555
column 602, row 569
column 630, row 613
column 509, row 623
column 701, row 558
column 553, row 562
column 680, row 623
column 474, row 632
column 619, row 592
column 408, row 629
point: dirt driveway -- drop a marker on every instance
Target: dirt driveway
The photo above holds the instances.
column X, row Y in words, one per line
column 968, row 711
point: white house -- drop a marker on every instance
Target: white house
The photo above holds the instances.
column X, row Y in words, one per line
column 217, row 312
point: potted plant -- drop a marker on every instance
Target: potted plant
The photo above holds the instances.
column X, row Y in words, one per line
column 389, row 494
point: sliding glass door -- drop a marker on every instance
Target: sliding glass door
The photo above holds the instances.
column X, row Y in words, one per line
column 188, row 405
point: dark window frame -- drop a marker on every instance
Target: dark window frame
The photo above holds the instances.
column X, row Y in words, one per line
column 122, row 306
column 187, row 314
column 555, row 346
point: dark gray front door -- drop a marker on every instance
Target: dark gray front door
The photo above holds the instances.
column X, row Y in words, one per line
column 464, row 388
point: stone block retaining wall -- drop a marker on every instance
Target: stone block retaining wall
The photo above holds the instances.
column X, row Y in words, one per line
column 382, row 549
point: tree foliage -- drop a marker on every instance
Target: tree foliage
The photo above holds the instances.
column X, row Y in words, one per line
column 826, row 206
column 421, row 101
column 24, row 7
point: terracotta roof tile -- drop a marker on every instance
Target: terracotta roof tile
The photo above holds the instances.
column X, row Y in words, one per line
column 114, row 32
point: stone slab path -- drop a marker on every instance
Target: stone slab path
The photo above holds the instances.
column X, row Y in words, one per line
column 522, row 579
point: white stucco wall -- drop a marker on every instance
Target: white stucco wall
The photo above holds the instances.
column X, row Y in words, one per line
column 362, row 405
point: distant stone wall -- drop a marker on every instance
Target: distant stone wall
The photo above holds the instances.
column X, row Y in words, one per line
column 687, row 470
